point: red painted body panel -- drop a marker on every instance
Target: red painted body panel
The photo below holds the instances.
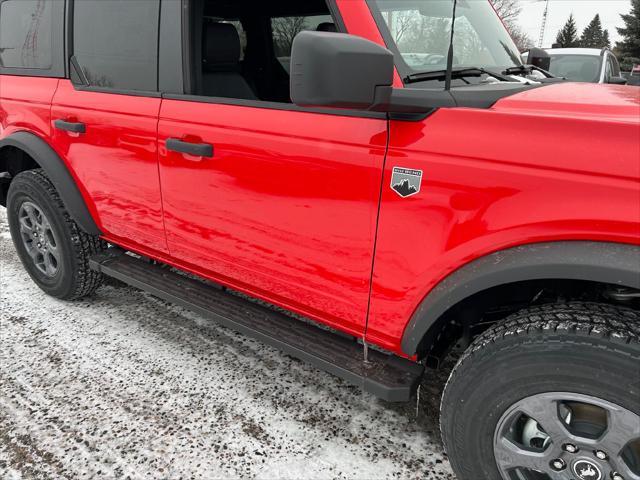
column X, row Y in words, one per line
column 539, row 166
column 286, row 209
column 25, row 104
column 116, row 161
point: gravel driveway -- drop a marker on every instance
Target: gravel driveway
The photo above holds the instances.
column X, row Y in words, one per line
column 127, row 386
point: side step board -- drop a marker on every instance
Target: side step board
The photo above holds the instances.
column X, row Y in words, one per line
column 391, row 378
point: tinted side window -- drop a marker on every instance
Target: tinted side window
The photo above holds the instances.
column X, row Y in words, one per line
column 26, row 34
column 285, row 30
column 115, row 42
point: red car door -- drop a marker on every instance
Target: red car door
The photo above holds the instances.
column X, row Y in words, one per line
column 105, row 121
column 285, row 208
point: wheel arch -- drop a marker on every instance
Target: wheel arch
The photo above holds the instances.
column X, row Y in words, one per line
column 601, row 262
column 46, row 158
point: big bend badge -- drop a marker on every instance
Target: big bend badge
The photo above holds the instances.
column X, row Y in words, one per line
column 405, row 181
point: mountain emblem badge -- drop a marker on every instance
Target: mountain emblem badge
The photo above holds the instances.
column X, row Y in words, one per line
column 406, row 181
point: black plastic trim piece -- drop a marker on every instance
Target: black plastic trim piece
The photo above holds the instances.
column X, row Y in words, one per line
column 74, row 127
column 411, row 117
column 197, row 149
column 170, row 52
column 76, row 74
column 274, row 106
column 57, row 172
column 391, row 378
column 411, row 101
column 115, row 91
column 486, row 96
column 185, row 43
column 426, row 101
column 68, row 39
column 611, row 263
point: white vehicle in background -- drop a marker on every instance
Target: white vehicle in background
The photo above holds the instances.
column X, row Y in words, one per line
column 590, row 65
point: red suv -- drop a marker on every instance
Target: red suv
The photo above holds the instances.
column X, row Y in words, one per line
column 360, row 166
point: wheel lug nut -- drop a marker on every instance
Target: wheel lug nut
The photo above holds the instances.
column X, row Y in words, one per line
column 616, row 476
column 558, row 464
column 601, row 455
column 568, row 447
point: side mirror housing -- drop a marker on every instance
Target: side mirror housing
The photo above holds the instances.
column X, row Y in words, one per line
column 539, row 58
column 336, row 70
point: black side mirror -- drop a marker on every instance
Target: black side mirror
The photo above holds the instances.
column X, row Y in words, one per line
column 336, row 70
column 539, row 58
column 618, row 81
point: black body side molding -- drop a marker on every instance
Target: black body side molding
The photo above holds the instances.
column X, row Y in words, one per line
column 613, row 263
column 59, row 175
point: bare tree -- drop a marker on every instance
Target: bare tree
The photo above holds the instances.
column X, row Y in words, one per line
column 521, row 38
column 401, row 23
column 285, row 31
column 508, row 10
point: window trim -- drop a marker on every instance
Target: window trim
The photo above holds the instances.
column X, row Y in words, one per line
column 171, row 66
column 262, row 104
column 58, row 64
column 117, row 91
column 114, row 91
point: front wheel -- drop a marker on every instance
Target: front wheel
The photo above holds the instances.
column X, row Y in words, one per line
column 552, row 393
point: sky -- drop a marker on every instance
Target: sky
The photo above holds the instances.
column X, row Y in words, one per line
column 583, row 11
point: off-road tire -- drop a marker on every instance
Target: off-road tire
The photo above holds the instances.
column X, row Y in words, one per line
column 74, row 279
column 583, row 348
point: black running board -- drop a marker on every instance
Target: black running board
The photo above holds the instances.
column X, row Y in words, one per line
column 390, row 378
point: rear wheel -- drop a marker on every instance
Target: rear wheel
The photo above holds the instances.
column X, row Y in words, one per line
column 54, row 250
column 551, row 393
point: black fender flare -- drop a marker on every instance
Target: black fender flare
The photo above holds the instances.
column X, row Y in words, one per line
column 59, row 175
column 613, row 263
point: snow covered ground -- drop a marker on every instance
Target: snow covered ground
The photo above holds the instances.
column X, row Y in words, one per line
column 127, row 386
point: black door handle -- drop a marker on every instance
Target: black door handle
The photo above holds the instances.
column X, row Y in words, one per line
column 70, row 126
column 197, row 149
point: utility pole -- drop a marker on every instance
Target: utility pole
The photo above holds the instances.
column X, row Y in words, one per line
column 543, row 29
